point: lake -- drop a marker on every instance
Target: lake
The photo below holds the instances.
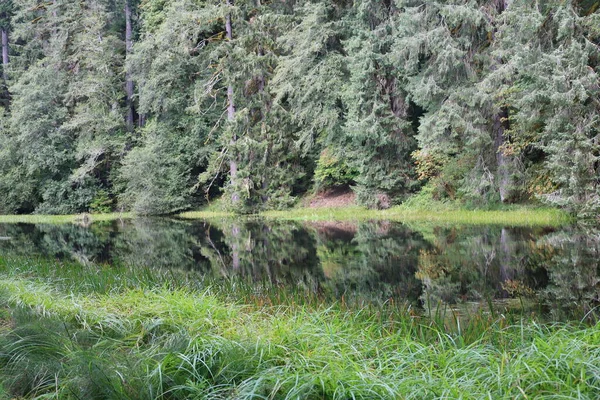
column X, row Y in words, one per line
column 551, row 272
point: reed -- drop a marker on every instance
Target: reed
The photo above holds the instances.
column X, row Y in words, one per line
column 102, row 333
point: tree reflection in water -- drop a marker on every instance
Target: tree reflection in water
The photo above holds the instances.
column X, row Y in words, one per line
column 360, row 262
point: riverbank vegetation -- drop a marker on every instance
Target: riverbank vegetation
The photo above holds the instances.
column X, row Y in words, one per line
column 516, row 217
column 444, row 115
column 83, row 219
column 115, row 332
column 155, row 106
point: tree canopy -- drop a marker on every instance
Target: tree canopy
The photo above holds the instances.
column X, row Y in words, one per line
column 158, row 106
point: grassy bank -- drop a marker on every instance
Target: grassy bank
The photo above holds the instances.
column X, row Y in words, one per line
column 509, row 217
column 62, row 219
column 97, row 332
column 441, row 213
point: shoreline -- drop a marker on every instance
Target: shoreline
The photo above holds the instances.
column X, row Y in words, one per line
column 517, row 217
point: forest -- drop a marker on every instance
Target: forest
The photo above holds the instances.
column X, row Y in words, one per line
column 160, row 106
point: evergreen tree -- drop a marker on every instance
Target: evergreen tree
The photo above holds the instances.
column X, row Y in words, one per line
column 378, row 130
column 553, row 98
column 66, row 113
column 170, row 66
column 256, row 141
column 444, row 48
column 158, row 105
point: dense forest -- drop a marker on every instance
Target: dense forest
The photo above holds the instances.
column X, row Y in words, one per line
column 158, row 106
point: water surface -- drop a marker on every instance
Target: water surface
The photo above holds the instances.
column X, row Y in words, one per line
column 554, row 271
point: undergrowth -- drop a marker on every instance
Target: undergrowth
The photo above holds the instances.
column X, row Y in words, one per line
column 117, row 333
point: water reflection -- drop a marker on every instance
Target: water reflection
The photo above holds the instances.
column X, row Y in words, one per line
column 377, row 259
column 482, row 262
column 369, row 261
column 572, row 260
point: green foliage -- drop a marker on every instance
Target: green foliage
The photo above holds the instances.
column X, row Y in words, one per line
column 154, row 172
column 102, row 203
column 6, row 10
column 496, row 101
column 333, row 171
column 65, row 197
column 65, row 117
column 138, row 338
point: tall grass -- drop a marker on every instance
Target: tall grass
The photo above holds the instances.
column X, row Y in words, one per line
column 509, row 217
column 102, row 333
column 518, row 216
column 62, row 219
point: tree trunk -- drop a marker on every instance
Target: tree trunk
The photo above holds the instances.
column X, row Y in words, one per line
column 128, row 81
column 503, row 162
column 141, row 120
column 233, row 167
column 5, row 59
column 263, row 113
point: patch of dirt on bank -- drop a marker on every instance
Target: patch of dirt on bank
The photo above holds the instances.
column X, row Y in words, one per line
column 332, row 198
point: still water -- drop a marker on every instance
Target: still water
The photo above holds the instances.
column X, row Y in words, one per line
column 554, row 271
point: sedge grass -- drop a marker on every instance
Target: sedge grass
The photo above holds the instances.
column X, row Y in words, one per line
column 519, row 216
column 62, row 219
column 510, row 217
column 125, row 334
column 516, row 217
column 193, row 345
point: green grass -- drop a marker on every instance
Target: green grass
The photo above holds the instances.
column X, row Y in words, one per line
column 62, row 219
column 149, row 343
column 511, row 217
column 117, row 333
column 516, row 217
column 419, row 209
column 206, row 214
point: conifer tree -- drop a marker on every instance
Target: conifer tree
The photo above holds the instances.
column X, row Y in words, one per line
column 378, row 128
column 256, row 141
column 159, row 105
column 445, row 49
column 170, row 66
column 554, row 99
column 66, row 81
